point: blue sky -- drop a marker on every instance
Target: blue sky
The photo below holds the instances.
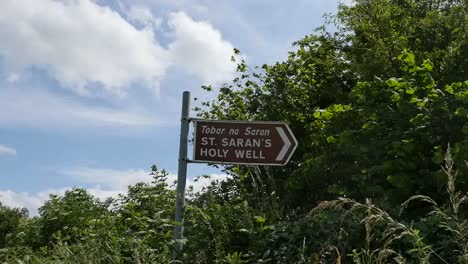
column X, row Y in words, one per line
column 90, row 91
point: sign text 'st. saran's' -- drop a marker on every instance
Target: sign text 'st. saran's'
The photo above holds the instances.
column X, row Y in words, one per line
column 237, row 142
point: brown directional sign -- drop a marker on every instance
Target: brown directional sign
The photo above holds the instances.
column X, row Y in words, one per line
column 243, row 142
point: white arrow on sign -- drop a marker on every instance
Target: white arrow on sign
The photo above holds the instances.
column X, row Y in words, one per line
column 287, row 143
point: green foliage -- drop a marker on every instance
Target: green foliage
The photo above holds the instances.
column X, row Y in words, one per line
column 223, row 227
column 376, row 31
column 143, row 217
column 10, row 221
column 65, row 218
column 78, row 228
column 392, row 133
column 374, row 106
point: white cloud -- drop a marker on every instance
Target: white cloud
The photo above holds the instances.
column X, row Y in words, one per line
column 105, row 183
column 202, row 182
column 94, row 51
column 108, row 178
column 26, row 200
column 32, row 201
column 84, row 45
column 119, row 180
column 4, row 150
column 347, row 2
column 42, row 109
column 79, row 43
column 13, row 77
column 200, row 49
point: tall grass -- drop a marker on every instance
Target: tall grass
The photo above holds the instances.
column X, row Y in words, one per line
column 391, row 240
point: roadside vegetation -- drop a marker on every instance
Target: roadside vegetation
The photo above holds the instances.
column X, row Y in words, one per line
column 379, row 105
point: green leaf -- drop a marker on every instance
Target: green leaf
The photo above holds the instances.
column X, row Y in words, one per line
column 327, row 115
column 338, row 108
column 367, row 125
column 449, row 89
column 410, row 91
column 392, row 82
column 317, row 114
column 260, row 219
column 428, row 65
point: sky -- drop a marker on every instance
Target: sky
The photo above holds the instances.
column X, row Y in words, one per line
column 91, row 90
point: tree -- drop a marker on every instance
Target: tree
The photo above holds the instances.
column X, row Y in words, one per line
column 338, row 91
column 393, row 134
column 144, row 219
column 10, row 221
column 68, row 217
column 376, row 31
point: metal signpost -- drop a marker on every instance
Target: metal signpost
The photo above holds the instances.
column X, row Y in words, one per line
column 228, row 142
column 181, row 175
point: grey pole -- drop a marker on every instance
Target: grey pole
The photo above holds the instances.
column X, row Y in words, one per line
column 181, row 175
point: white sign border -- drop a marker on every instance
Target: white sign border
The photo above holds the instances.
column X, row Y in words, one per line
column 195, row 120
